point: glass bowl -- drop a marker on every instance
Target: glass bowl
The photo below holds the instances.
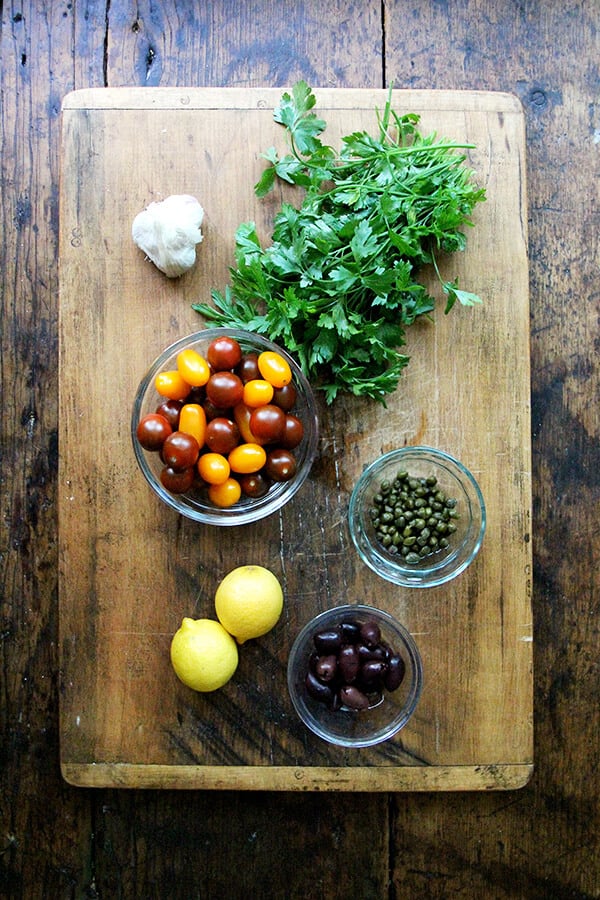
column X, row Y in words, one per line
column 457, row 523
column 389, row 711
column 194, row 504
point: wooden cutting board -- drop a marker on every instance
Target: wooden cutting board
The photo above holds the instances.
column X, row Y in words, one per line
column 130, row 568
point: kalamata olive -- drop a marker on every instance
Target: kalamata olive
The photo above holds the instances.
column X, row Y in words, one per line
column 365, row 652
column 268, row 422
column 370, row 633
column 351, row 697
column 247, row 369
column 224, row 389
column 317, row 689
column 326, row 667
column 170, row 409
column 372, row 671
column 395, row 673
column 152, row 431
column 180, row 451
column 348, row 662
column 222, row 435
column 223, row 353
column 350, row 632
column 281, row 464
column 177, row 481
column 328, row 641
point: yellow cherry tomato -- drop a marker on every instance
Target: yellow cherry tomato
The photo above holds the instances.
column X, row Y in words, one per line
column 225, row 494
column 257, row 392
column 274, row 368
column 193, row 368
column 192, row 420
column 247, row 458
column 213, row 468
column 241, row 414
column 172, row 385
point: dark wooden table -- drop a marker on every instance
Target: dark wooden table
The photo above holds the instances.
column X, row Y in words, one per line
column 541, row 841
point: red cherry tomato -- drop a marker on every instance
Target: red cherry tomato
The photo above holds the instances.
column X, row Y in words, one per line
column 223, row 353
column 180, row 451
column 222, row 435
column 254, row 485
column 241, row 414
column 280, row 465
column 152, row 431
column 292, row 433
column 224, row 389
column 285, row 396
column 248, row 367
column 268, row 423
column 177, row 482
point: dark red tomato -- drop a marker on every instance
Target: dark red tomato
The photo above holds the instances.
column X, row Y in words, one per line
column 177, row 482
column 285, row 396
column 293, row 432
column 224, row 389
column 180, row 451
column 152, row 431
column 212, row 411
column 268, row 422
column 254, row 485
column 248, row 368
column 223, row 353
column 222, row 435
column 170, row 409
column 280, row 464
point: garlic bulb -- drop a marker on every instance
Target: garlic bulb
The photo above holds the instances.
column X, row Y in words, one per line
column 168, row 231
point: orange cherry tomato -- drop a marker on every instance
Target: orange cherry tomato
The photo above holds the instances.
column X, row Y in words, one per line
column 172, row 385
column 192, row 367
column 257, row 392
column 225, row 494
column 274, row 368
column 213, row 468
column 241, row 414
column 247, row 458
column 192, row 420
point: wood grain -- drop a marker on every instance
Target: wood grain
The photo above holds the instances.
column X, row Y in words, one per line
column 142, row 568
column 539, row 842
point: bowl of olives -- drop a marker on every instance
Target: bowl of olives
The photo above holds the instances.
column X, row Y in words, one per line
column 417, row 517
column 355, row 675
column 224, row 427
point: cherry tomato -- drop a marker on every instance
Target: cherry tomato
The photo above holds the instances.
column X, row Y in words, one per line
column 212, row 411
column 292, row 433
column 222, row 435
column 213, row 468
column 254, row 485
column 285, row 396
column 280, row 465
column 171, row 384
column 223, row 353
column 193, row 421
column 268, row 423
column 274, row 368
column 180, row 451
column 224, row 389
column 246, row 458
column 226, row 494
column 192, row 367
column 152, row 431
column 241, row 414
column 177, row 482
column 257, row 392
column 170, row 409
column 248, row 367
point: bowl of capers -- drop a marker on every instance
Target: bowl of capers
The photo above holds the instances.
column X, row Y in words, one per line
column 417, row 517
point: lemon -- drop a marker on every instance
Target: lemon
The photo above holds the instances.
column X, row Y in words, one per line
column 203, row 654
column 248, row 602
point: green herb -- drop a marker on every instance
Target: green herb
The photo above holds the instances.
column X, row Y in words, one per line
column 339, row 283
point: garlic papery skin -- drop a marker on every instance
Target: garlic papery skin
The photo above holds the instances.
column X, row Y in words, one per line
column 167, row 231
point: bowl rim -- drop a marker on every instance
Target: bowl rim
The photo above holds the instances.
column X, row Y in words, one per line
column 281, row 492
column 391, row 568
column 384, row 733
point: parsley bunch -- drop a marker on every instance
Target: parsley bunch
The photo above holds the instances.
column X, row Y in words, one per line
column 339, row 283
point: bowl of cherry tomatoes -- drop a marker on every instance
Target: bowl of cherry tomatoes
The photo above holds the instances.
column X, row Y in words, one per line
column 224, row 427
